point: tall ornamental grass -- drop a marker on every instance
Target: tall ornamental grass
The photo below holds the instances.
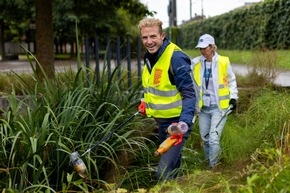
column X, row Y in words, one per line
column 54, row 118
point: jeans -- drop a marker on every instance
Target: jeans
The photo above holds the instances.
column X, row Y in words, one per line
column 170, row 162
column 208, row 119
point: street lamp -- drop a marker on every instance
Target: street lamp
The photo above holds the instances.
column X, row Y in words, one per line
column 172, row 15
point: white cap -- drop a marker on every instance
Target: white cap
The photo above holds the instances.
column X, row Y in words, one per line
column 204, row 41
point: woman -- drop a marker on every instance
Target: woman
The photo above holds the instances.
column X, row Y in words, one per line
column 217, row 90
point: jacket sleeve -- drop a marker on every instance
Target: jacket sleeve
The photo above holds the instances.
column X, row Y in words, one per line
column 194, row 61
column 232, row 83
column 181, row 67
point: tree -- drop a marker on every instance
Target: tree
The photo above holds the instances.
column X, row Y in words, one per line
column 2, row 47
column 14, row 20
column 99, row 17
column 44, row 38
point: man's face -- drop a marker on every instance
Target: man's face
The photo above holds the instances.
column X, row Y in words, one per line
column 151, row 38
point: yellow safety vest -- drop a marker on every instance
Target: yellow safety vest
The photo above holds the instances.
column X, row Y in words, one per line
column 223, row 89
column 162, row 99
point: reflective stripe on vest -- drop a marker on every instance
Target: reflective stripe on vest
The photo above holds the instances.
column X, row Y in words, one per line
column 223, row 90
column 162, row 99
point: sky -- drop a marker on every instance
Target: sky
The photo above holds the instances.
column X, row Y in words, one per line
column 209, row 7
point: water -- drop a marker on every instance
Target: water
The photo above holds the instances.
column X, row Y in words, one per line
column 283, row 76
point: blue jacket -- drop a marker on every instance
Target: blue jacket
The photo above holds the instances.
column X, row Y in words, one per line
column 180, row 65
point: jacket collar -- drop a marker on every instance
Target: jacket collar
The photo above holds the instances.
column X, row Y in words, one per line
column 214, row 58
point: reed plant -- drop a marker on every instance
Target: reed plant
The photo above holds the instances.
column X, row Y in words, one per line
column 54, row 118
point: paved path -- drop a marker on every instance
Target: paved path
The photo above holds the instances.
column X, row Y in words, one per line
column 21, row 66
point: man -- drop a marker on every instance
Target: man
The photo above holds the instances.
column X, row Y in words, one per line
column 169, row 95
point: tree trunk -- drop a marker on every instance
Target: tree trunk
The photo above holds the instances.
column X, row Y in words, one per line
column 2, row 41
column 44, row 39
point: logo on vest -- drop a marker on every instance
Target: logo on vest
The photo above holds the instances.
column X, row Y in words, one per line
column 157, row 76
column 225, row 81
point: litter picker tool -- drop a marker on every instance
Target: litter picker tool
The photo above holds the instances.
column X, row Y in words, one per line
column 228, row 111
column 75, row 157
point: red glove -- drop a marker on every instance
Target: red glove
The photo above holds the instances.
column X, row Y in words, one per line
column 142, row 107
column 178, row 137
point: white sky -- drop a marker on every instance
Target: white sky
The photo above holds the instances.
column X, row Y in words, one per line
column 210, row 8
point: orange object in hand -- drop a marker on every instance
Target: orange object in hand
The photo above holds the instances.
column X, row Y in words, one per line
column 142, row 107
column 167, row 144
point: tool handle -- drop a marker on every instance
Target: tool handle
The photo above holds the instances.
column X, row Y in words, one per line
column 228, row 111
column 111, row 133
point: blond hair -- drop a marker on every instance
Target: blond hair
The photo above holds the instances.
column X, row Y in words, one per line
column 213, row 46
column 149, row 22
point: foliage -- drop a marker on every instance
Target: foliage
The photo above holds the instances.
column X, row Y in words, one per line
column 55, row 118
column 101, row 17
column 255, row 155
column 71, row 113
column 272, row 173
column 262, row 25
column 252, row 57
column 103, row 21
column 172, row 32
column 14, row 15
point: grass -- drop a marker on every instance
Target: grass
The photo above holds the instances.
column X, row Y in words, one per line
column 255, row 141
column 236, row 56
column 249, row 57
column 65, row 116
column 71, row 113
column 55, row 118
column 255, row 154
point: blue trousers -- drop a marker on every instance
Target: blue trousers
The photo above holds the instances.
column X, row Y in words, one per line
column 208, row 119
column 170, row 162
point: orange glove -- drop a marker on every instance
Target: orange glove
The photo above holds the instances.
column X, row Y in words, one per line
column 142, row 107
column 178, row 137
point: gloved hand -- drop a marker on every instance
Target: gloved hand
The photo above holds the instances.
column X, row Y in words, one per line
column 142, row 107
column 233, row 102
column 178, row 137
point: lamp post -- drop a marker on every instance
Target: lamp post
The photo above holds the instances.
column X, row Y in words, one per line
column 202, row 16
column 172, row 15
column 202, row 9
column 190, row 9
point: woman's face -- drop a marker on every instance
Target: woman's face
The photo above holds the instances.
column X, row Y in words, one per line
column 207, row 52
